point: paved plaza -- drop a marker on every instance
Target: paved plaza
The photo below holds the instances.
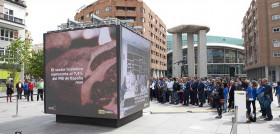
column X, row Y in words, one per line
column 166, row 119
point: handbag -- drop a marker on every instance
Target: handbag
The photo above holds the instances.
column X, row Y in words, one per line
column 222, row 101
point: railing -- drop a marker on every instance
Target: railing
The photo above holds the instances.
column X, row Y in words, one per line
column 18, row 2
column 12, row 19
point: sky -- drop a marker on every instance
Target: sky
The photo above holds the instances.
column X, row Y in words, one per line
column 224, row 17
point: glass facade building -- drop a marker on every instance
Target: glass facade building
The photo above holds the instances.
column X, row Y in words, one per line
column 223, row 53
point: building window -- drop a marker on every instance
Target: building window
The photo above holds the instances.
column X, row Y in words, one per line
column 275, row 17
column 274, row 5
column 3, row 82
column 8, row 14
column 277, row 29
column 276, row 43
column 2, row 53
column 276, row 54
column 8, row 34
column 90, row 14
column 142, row 10
column 87, row 15
column 144, row 29
column 143, row 19
column 96, row 11
column 218, row 55
column 82, row 18
column 108, row 8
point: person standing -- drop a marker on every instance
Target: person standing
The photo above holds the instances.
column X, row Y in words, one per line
column 30, row 90
column 201, row 95
column 40, row 87
column 164, row 90
column 158, row 90
column 194, row 94
column 152, row 88
column 19, row 87
column 25, row 87
column 171, row 83
column 225, row 97
column 10, row 91
column 176, row 88
column 232, row 88
column 249, row 98
column 268, row 92
column 187, row 92
column 278, row 92
column 254, row 93
column 212, row 88
column 259, row 92
column 219, row 93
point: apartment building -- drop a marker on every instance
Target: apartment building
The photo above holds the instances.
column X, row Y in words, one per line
column 153, row 27
column 12, row 26
column 261, row 34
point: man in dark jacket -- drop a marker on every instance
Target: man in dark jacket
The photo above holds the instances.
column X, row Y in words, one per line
column 187, row 92
column 232, row 88
column 176, row 88
column 19, row 87
column 194, row 91
column 200, row 88
column 268, row 91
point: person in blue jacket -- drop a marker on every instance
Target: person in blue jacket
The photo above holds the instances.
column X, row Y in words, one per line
column 225, row 96
column 249, row 98
column 25, row 86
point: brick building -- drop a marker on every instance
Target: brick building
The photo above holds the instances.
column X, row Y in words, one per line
column 153, row 27
column 261, row 34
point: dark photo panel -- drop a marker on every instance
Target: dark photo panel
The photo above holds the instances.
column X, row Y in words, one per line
column 81, row 73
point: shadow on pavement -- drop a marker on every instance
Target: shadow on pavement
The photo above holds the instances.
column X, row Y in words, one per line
column 47, row 124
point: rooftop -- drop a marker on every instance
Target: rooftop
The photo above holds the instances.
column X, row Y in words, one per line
column 188, row 29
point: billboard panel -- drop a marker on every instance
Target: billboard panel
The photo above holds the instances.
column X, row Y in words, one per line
column 135, row 73
column 81, row 73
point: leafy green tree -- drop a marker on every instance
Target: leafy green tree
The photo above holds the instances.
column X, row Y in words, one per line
column 16, row 55
column 35, row 64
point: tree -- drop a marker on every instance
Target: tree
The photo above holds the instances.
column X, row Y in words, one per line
column 35, row 64
column 16, row 55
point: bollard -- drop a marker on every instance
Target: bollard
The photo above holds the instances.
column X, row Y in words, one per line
column 16, row 107
column 234, row 131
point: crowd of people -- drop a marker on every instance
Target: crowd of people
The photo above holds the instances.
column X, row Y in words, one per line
column 25, row 89
column 217, row 93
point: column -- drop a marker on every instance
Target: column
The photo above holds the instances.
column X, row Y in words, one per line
column 190, row 55
column 177, row 54
column 202, row 54
column 277, row 72
column 266, row 72
column 157, row 73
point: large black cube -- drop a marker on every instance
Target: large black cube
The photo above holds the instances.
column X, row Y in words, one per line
column 99, row 74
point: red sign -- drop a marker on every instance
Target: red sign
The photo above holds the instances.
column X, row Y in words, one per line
column 16, row 35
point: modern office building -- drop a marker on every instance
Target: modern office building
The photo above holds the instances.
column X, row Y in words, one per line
column 261, row 34
column 12, row 26
column 223, row 53
column 153, row 27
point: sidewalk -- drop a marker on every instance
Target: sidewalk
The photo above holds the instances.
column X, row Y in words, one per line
column 201, row 121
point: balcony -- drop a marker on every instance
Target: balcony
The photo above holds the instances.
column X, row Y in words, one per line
column 18, row 2
column 12, row 19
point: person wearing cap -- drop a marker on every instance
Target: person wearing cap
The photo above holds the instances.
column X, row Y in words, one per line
column 19, row 87
column 40, row 87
